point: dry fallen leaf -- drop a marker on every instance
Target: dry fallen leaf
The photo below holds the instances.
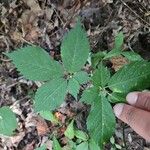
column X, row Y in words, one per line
column 118, row 62
column 33, row 35
column 29, row 18
column 39, row 123
column 16, row 36
column 33, row 4
column 60, row 117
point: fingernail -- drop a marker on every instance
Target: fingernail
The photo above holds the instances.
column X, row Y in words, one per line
column 118, row 109
column 132, row 98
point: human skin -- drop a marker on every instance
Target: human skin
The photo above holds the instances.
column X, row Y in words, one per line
column 136, row 113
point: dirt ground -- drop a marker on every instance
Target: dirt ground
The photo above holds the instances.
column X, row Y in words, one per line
column 43, row 23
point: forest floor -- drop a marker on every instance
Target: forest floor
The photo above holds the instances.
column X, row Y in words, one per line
column 44, row 23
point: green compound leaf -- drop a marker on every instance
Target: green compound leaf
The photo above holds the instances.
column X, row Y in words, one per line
column 56, row 145
column 82, row 146
column 134, row 76
column 35, row 64
column 101, row 121
column 101, row 76
column 89, row 95
column 82, row 77
column 75, row 49
column 73, row 87
column 50, row 95
column 132, row 56
column 70, row 133
column 8, row 122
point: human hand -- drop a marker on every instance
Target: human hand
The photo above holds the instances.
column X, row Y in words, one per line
column 137, row 113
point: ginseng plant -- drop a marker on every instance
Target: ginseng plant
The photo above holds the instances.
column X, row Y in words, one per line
column 67, row 76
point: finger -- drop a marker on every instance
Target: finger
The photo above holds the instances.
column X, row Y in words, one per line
column 138, row 119
column 139, row 99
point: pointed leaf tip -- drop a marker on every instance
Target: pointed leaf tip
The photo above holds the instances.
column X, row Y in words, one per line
column 75, row 49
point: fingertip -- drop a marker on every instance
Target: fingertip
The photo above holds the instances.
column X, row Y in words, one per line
column 118, row 108
column 132, row 98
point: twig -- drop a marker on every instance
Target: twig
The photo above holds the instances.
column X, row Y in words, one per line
column 5, row 60
column 24, row 40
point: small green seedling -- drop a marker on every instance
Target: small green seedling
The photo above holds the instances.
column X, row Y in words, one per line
column 61, row 78
column 71, row 133
column 83, row 141
column 114, row 145
column 116, row 51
